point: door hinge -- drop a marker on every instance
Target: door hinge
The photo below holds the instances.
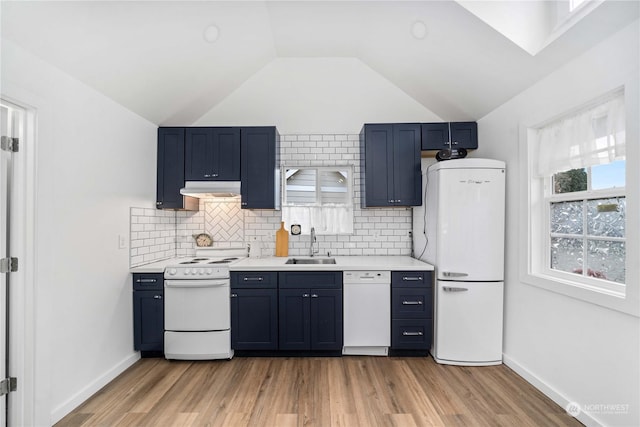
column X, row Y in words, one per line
column 8, row 143
column 8, row 265
column 8, row 385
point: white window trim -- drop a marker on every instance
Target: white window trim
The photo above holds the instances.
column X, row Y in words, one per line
column 592, row 284
column 532, row 235
column 318, row 189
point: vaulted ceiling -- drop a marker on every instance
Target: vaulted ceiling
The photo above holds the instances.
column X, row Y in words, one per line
column 152, row 57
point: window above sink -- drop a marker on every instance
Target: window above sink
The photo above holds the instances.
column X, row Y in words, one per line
column 319, row 197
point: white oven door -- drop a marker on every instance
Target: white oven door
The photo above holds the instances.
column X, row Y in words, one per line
column 197, row 305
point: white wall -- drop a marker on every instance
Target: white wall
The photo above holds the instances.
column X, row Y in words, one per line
column 316, row 95
column 94, row 160
column 572, row 350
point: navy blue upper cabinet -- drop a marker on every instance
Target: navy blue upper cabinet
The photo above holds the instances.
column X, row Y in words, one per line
column 390, row 156
column 260, row 160
column 212, row 154
column 170, row 171
column 435, row 136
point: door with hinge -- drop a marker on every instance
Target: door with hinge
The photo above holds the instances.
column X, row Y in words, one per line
column 9, row 127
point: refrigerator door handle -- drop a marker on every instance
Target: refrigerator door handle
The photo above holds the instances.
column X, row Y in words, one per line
column 453, row 274
column 454, row 289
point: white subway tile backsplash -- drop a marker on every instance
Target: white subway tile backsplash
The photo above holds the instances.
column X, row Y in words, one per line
column 167, row 234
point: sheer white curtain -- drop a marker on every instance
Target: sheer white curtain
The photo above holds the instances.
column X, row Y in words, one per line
column 593, row 136
column 327, row 219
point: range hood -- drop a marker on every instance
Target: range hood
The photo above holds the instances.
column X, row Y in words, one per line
column 206, row 189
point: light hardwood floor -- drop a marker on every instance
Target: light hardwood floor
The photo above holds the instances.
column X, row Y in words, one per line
column 334, row 391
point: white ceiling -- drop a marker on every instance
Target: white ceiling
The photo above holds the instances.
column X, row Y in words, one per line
column 151, row 57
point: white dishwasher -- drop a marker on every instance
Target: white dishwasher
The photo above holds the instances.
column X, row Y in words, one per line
column 367, row 312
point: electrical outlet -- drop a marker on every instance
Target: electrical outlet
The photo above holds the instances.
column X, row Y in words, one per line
column 122, row 241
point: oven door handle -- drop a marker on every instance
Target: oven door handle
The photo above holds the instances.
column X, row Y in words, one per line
column 195, row 283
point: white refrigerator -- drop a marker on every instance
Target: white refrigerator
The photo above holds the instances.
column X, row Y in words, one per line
column 460, row 230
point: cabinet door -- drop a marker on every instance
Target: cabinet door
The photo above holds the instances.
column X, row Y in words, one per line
column 254, row 319
column 170, row 169
column 148, row 320
column 326, row 319
column 259, row 154
column 226, row 155
column 407, row 177
column 464, row 135
column 378, row 160
column 198, row 154
column 293, row 313
column 435, row 136
column 212, row 154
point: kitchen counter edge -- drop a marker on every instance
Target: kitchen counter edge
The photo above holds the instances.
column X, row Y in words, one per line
column 343, row 263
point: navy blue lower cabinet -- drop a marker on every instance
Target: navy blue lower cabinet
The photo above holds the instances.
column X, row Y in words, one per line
column 310, row 310
column 148, row 313
column 254, row 319
column 411, row 310
column 326, row 319
column 295, row 323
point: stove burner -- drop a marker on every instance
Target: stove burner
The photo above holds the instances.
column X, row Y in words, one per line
column 199, row 259
column 230, row 259
column 222, row 261
column 189, row 262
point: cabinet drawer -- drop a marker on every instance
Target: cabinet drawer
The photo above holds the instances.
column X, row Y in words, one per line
column 411, row 303
column 148, row 281
column 254, row 279
column 411, row 334
column 411, row 278
column 310, row 279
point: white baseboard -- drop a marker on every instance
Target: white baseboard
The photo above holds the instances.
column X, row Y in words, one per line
column 584, row 417
column 92, row 388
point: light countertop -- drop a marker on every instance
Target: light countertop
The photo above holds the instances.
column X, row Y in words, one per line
column 395, row 263
column 342, row 263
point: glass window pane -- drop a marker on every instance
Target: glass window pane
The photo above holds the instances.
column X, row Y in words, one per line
column 566, row 255
column 611, row 175
column 606, row 217
column 566, row 217
column 301, row 186
column 570, row 181
column 606, row 260
column 333, row 187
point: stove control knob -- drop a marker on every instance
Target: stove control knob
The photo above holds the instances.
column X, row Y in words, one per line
column 209, row 271
column 187, row 272
column 172, row 271
column 200, row 271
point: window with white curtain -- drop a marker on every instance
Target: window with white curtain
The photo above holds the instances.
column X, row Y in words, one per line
column 579, row 170
column 318, row 197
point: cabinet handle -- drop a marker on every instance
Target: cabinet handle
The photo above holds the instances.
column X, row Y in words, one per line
column 411, row 302
column 398, row 201
column 314, row 295
column 253, row 279
column 234, row 295
column 411, row 279
column 158, row 203
column 146, row 280
column 412, row 334
column 305, row 295
column 157, row 297
column 215, row 175
column 206, row 175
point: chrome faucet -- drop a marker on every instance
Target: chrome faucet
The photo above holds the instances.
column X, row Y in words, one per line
column 313, row 240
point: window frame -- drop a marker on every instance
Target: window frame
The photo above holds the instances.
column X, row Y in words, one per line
column 602, row 285
column 335, row 168
column 531, row 234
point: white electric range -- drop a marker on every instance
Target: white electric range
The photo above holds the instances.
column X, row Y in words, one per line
column 197, row 319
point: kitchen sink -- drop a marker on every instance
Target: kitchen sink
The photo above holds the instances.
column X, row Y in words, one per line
column 311, row 261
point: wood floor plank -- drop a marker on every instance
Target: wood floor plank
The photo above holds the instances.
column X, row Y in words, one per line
column 317, row 392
